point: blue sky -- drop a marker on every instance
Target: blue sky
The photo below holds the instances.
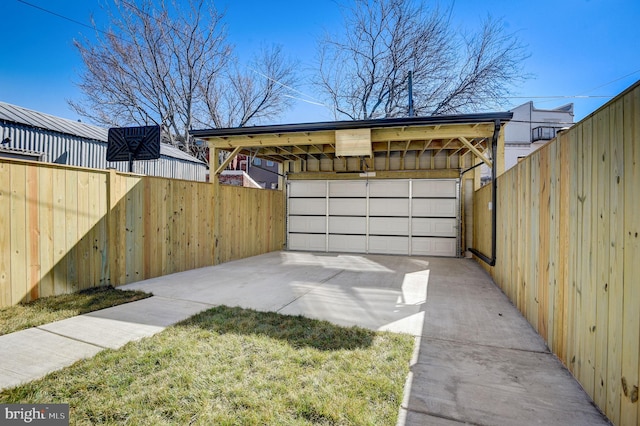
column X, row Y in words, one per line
column 577, row 47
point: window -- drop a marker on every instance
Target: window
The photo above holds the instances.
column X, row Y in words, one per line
column 543, row 133
column 269, row 163
column 257, row 161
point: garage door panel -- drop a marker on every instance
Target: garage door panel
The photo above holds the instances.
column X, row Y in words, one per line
column 307, row 188
column 307, row 242
column 403, row 216
column 351, row 189
column 433, row 246
column 347, row 225
column 434, row 207
column 389, row 207
column 389, row 226
column 434, row 227
column 435, row 188
column 348, row 207
column 308, row 224
column 383, row 189
column 388, row 245
column 307, row 206
column 348, row 243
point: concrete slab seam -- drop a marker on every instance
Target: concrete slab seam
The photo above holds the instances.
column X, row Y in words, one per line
column 442, row 416
column 545, row 352
column 310, row 291
column 71, row 338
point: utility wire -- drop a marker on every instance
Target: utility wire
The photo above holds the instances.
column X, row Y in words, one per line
column 614, row 81
column 313, row 100
column 66, row 18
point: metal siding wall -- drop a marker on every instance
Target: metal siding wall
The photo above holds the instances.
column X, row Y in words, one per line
column 92, row 154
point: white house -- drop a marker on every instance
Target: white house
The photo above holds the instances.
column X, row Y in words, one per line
column 531, row 128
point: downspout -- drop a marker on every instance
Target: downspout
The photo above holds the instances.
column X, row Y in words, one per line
column 491, row 261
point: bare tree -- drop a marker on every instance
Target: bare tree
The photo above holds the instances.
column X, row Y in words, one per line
column 237, row 98
column 363, row 72
column 162, row 64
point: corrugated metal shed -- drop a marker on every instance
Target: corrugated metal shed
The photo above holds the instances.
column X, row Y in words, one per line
column 74, row 143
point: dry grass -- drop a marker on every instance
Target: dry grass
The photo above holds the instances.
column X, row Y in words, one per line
column 232, row 366
column 55, row 308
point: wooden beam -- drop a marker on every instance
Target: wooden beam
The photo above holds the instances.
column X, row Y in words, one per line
column 388, row 160
column 461, row 147
column 290, row 153
column 476, row 151
column 226, row 162
column 444, row 146
column 287, row 139
column 307, row 151
column 451, row 131
column 424, row 148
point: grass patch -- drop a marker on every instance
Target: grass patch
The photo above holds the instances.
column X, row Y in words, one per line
column 55, row 308
column 233, row 366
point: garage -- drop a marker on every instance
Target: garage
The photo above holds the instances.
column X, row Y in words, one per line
column 400, row 186
column 386, row 216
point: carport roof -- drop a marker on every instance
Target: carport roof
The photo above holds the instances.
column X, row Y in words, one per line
column 354, row 124
column 454, row 134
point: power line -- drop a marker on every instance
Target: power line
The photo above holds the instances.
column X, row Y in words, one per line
column 133, row 6
column 614, row 81
column 66, row 18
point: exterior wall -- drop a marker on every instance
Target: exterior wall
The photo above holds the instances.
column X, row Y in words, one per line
column 237, row 178
column 568, row 247
column 63, row 229
column 518, row 132
column 266, row 174
column 72, row 150
column 263, row 172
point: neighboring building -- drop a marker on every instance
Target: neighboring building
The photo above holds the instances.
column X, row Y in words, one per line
column 28, row 134
column 532, row 128
column 264, row 172
column 238, row 178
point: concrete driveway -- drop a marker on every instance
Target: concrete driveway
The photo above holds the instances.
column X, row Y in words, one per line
column 477, row 360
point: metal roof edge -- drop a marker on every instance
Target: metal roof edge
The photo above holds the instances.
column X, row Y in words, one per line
column 356, row 124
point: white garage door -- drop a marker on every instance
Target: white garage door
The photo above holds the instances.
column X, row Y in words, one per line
column 408, row 216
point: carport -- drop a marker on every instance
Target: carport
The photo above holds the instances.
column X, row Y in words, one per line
column 385, row 186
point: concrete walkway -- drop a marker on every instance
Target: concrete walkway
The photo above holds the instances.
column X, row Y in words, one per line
column 477, row 360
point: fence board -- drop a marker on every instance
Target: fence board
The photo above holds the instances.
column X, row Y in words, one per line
column 33, row 233
column 5, row 234
column 616, row 265
column 630, row 409
column 83, row 243
column 601, row 255
column 544, row 224
column 45, row 198
column 60, row 233
column 71, row 218
column 18, row 250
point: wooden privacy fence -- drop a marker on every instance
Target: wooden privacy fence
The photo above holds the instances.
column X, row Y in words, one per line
column 568, row 250
column 64, row 229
